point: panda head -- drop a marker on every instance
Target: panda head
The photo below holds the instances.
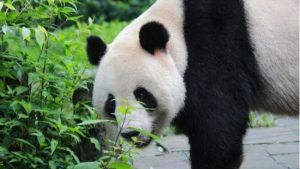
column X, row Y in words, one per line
column 138, row 68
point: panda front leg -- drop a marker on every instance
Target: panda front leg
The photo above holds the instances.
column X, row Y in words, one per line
column 216, row 141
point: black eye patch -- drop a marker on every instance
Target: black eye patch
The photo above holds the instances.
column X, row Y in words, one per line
column 110, row 105
column 147, row 98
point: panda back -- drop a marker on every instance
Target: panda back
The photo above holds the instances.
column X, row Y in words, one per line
column 273, row 29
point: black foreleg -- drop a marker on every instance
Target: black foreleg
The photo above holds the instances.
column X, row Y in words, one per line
column 216, row 140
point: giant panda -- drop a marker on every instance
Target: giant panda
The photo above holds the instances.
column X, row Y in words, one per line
column 201, row 65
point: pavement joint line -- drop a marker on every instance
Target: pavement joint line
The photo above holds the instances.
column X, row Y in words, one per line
column 283, row 154
column 280, row 142
column 277, row 162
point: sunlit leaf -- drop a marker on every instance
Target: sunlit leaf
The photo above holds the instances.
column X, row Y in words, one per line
column 96, row 143
column 40, row 37
column 5, row 29
column 40, row 136
column 26, row 106
column 145, row 133
column 10, row 6
column 1, row 5
column 119, row 165
column 42, row 29
column 90, row 21
column 50, row 2
column 25, row 33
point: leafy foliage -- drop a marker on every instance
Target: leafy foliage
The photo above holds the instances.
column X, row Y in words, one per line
column 124, row 10
column 261, row 120
column 41, row 67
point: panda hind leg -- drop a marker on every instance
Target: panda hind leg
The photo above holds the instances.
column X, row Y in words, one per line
column 217, row 143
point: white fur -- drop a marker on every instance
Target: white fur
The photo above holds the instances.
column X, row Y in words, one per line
column 127, row 66
column 274, row 31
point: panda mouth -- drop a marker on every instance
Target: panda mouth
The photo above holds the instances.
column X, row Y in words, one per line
column 142, row 141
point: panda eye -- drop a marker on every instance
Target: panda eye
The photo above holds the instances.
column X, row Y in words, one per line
column 147, row 98
column 110, row 105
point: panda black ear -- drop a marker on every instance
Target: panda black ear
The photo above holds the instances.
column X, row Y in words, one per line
column 95, row 48
column 153, row 35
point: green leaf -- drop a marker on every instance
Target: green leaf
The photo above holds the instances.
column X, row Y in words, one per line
column 145, row 133
column 3, row 149
column 26, row 106
column 13, row 123
column 2, row 85
column 53, row 145
column 50, row 2
column 1, row 5
column 32, row 78
column 10, row 6
column 87, row 165
column 90, row 21
column 22, row 116
column 25, row 142
column 74, row 18
column 89, row 122
column 25, row 33
column 5, row 29
column 52, row 164
column 40, row 136
column 42, row 29
column 73, row 155
column 40, row 37
column 21, row 89
column 75, row 137
column 122, row 110
column 119, row 165
column 96, row 143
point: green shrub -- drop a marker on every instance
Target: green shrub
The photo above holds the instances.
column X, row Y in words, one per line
column 40, row 68
column 261, row 120
column 124, row 10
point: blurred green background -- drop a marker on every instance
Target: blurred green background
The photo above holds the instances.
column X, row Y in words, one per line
column 122, row 10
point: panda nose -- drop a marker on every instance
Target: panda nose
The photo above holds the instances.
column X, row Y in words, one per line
column 129, row 134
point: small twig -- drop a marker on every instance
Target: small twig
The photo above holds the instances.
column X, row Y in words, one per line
column 123, row 123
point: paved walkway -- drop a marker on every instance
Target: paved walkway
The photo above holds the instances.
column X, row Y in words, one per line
column 265, row 148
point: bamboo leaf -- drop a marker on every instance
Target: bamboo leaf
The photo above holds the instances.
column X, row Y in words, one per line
column 25, row 142
column 53, row 145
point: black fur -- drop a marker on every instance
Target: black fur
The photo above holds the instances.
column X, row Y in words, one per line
column 95, row 49
column 153, row 35
column 148, row 100
column 221, row 79
column 110, row 105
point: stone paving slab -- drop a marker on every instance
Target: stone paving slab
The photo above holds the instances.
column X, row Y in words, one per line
column 285, row 148
column 169, row 161
column 289, row 161
column 264, row 148
column 270, row 135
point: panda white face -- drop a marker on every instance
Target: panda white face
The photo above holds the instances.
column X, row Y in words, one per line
column 142, row 72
